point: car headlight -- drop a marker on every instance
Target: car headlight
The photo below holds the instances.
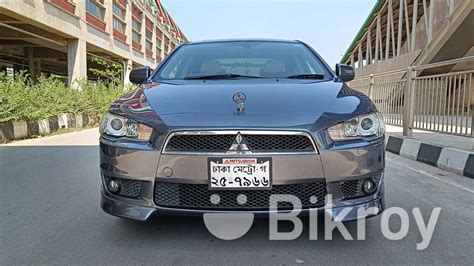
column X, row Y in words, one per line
column 117, row 126
column 369, row 125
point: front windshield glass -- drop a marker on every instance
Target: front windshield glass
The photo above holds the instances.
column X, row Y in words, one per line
column 259, row 59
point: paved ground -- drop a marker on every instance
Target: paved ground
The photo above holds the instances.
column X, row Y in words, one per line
column 49, row 205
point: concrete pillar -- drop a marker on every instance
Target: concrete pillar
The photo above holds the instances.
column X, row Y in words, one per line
column 409, row 102
column 38, row 67
column 108, row 16
column 128, row 29
column 31, row 63
column 76, row 61
column 127, row 64
column 143, row 32
column 451, row 6
column 430, row 21
column 163, row 43
column 81, row 9
column 153, row 39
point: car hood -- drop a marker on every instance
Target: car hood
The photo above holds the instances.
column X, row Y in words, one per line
column 269, row 104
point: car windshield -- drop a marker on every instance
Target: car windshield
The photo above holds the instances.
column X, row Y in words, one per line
column 242, row 59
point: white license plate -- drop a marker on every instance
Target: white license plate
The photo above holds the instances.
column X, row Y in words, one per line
column 239, row 173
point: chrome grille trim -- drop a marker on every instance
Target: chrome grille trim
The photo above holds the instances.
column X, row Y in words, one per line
column 243, row 133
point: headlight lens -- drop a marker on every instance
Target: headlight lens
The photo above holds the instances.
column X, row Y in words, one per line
column 370, row 125
column 117, row 126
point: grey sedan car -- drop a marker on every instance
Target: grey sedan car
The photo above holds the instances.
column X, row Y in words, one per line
column 221, row 126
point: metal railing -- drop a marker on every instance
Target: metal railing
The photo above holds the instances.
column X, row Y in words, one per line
column 440, row 103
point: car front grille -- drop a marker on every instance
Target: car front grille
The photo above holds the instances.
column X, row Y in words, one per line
column 200, row 143
column 353, row 188
column 258, row 143
column 198, row 196
column 279, row 143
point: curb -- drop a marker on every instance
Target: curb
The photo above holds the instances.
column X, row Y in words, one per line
column 21, row 129
column 450, row 159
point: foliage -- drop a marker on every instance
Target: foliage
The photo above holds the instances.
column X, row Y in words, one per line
column 109, row 71
column 21, row 99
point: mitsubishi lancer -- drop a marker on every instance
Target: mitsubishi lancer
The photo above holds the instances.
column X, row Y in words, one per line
column 221, row 126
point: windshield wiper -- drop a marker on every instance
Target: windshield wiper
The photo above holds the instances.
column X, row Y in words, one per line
column 306, row 76
column 220, row 76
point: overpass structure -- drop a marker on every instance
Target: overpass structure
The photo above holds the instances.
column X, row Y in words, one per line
column 415, row 60
column 60, row 37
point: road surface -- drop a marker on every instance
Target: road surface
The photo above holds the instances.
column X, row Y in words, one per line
column 49, row 204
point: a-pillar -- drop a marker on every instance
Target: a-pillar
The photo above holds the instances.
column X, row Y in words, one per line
column 76, row 62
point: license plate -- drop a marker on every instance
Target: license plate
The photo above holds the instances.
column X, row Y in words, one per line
column 240, row 173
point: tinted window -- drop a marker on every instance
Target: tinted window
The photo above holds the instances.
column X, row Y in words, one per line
column 261, row 59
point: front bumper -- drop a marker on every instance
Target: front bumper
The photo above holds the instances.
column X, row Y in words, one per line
column 145, row 164
column 116, row 206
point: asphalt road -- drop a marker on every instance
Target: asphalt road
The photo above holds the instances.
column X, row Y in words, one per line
column 49, row 207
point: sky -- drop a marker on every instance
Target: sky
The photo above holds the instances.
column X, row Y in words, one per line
column 329, row 26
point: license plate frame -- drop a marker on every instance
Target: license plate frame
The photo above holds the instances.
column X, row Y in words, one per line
column 260, row 160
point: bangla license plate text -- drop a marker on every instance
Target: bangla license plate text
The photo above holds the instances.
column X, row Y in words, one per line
column 240, row 173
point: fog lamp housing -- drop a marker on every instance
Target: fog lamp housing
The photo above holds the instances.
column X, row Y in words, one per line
column 368, row 186
column 113, row 185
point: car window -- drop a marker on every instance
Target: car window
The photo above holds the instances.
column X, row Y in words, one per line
column 252, row 58
column 172, row 71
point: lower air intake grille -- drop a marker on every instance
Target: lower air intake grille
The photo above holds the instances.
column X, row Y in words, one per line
column 353, row 188
column 128, row 188
column 197, row 196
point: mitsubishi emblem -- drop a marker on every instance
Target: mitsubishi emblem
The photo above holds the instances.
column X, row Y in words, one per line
column 239, row 145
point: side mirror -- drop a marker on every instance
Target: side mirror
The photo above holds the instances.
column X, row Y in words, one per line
column 345, row 72
column 140, row 74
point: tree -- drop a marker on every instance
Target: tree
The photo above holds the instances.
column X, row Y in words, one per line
column 109, row 71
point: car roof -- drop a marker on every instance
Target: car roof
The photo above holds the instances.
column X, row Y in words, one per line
column 243, row 40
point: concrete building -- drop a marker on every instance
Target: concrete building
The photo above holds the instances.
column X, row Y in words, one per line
column 415, row 60
column 61, row 36
column 400, row 33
